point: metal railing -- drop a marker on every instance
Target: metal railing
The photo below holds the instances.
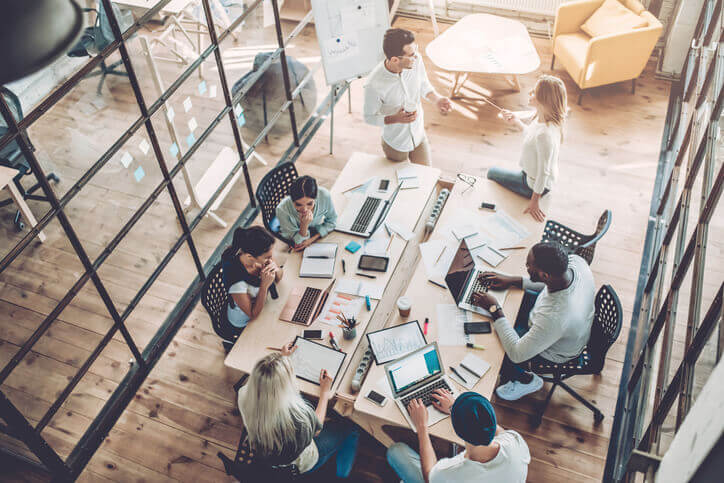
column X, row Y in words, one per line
column 674, row 253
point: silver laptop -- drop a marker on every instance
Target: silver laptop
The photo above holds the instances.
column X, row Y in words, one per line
column 462, row 280
column 364, row 214
column 416, row 376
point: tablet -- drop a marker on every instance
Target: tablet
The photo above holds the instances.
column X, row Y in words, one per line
column 310, row 358
column 394, row 342
column 373, row 262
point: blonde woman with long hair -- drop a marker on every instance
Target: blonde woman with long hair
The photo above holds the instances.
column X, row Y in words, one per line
column 541, row 144
column 284, row 429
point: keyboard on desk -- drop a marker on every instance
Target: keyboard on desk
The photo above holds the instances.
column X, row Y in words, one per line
column 425, row 394
column 479, row 285
column 362, row 221
column 306, row 305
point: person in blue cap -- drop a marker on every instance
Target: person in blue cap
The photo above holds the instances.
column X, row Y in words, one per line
column 491, row 454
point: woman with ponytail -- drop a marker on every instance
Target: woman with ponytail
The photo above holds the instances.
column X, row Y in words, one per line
column 541, row 145
column 307, row 214
column 249, row 271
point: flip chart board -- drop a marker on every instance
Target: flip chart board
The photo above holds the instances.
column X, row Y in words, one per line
column 350, row 36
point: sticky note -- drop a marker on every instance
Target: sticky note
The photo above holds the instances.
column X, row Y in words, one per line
column 126, row 159
column 190, row 140
column 173, row 149
column 353, row 246
column 202, row 87
column 144, row 146
column 212, row 90
column 170, row 113
column 139, row 174
column 193, row 124
column 187, row 104
column 241, row 119
column 238, row 110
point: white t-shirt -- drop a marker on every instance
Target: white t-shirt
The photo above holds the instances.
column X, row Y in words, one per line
column 539, row 155
column 510, row 465
column 237, row 317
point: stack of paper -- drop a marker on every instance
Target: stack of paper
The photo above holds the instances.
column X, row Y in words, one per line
column 408, row 177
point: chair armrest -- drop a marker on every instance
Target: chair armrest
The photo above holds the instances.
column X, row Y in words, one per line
column 570, row 16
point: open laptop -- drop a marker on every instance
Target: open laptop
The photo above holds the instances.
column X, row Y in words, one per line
column 364, row 214
column 416, row 376
column 305, row 304
column 462, row 281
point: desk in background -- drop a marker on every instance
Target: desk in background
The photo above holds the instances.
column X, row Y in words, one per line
column 268, row 331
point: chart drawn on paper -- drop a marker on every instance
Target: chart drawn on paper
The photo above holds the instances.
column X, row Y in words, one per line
column 395, row 342
column 310, row 358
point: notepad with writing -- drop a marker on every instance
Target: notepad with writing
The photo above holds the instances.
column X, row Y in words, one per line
column 407, row 175
column 472, row 368
column 318, row 260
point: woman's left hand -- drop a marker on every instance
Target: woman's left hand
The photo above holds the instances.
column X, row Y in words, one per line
column 272, row 265
column 534, row 210
column 303, row 245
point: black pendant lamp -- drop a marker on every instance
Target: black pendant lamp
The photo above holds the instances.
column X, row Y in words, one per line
column 33, row 33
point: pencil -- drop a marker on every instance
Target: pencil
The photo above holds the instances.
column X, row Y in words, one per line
column 353, row 188
column 520, row 247
column 390, row 243
column 274, row 348
column 441, row 252
column 491, row 103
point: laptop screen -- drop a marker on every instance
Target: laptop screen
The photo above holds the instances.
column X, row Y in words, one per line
column 461, row 266
column 411, row 369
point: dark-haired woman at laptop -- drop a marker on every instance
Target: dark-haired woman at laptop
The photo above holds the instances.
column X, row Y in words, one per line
column 307, row 214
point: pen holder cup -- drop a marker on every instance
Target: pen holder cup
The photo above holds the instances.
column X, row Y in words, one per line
column 349, row 334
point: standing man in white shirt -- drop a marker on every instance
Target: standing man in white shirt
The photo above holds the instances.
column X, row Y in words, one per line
column 492, row 454
column 392, row 99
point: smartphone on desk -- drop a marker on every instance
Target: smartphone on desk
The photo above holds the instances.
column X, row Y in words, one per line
column 377, row 398
column 477, row 327
column 312, row 334
column 384, row 184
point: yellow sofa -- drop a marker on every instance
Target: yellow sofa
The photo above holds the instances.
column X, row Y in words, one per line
column 604, row 59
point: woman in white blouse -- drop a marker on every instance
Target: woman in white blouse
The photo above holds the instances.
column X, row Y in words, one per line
column 541, row 145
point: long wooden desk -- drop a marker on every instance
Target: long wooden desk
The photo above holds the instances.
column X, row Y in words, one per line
column 425, row 296
column 268, row 331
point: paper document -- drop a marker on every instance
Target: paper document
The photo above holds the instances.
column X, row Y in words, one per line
column 321, row 250
column 310, row 358
column 341, row 48
column 450, row 328
column 502, row 230
column 489, row 255
column 403, row 232
column 376, row 246
column 395, row 342
column 340, row 304
column 357, row 287
column 437, row 256
column 472, row 368
column 408, row 177
column 358, row 15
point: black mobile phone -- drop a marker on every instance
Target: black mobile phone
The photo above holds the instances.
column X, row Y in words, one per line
column 477, row 327
column 487, row 206
column 372, row 262
column 377, row 398
column 384, row 184
column 312, row 334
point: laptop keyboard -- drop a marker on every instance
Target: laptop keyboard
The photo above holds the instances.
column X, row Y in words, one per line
column 365, row 215
column 425, row 394
column 306, row 305
column 478, row 286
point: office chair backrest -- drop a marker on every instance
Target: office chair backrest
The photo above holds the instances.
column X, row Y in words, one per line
column 606, row 326
column 214, row 298
column 274, row 186
column 587, row 249
column 570, row 239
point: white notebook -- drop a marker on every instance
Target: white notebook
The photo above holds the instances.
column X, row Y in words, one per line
column 472, row 368
column 318, row 260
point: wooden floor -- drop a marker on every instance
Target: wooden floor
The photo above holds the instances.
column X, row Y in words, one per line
column 185, row 411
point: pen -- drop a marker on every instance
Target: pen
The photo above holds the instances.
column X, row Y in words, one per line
column 389, row 244
column 365, row 275
column 470, row 370
column 458, row 374
column 475, row 346
column 333, row 342
column 427, row 321
column 387, row 229
column 368, row 303
column 436, row 283
column 441, row 252
column 344, row 268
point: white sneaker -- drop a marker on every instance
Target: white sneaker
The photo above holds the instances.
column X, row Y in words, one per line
column 514, row 390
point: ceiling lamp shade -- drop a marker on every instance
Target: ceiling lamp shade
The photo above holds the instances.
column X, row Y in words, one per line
column 35, row 33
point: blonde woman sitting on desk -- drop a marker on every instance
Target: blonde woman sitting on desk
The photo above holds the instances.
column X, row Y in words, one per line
column 283, row 428
column 541, row 145
column 249, row 271
column 307, row 214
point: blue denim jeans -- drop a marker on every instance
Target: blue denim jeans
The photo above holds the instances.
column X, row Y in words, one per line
column 340, row 437
column 406, row 463
column 514, row 180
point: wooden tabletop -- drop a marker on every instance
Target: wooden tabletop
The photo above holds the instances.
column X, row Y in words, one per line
column 268, row 331
column 425, row 297
column 485, row 43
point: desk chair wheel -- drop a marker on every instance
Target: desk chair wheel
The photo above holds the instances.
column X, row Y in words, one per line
column 597, row 417
column 19, row 225
column 54, row 178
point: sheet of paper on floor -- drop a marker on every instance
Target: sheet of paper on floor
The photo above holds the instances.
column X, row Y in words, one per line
column 450, row 329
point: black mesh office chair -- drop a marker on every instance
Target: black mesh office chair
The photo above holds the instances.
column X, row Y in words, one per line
column 274, row 186
column 215, row 298
column 604, row 331
column 12, row 157
column 97, row 38
column 575, row 242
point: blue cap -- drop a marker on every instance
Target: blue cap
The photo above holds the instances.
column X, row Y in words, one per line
column 473, row 418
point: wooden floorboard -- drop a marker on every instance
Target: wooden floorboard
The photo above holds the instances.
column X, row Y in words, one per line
column 186, row 410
